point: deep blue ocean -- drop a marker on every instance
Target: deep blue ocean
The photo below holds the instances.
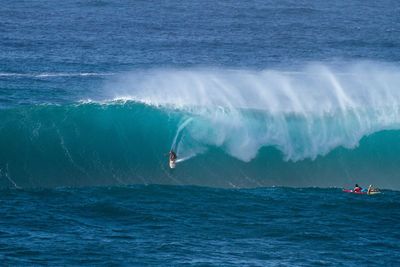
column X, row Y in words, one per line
column 271, row 106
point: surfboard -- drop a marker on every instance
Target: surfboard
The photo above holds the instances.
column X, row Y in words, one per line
column 172, row 164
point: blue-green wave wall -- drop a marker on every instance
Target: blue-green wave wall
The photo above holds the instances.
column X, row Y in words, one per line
column 126, row 143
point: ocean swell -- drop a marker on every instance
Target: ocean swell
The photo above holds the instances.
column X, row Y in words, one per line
column 317, row 126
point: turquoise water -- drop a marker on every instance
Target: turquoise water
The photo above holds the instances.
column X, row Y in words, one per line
column 126, row 143
column 271, row 107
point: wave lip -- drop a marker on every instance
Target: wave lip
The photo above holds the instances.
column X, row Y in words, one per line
column 316, row 88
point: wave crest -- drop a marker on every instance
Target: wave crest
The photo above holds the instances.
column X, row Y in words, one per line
column 304, row 113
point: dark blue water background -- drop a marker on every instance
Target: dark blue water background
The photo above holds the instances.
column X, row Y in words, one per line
column 61, row 52
column 168, row 225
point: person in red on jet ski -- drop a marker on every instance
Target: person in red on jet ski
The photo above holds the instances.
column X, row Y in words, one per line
column 357, row 189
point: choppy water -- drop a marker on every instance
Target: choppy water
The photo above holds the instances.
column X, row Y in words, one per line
column 180, row 225
column 250, row 95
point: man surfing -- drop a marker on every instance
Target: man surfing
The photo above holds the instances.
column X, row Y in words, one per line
column 172, row 159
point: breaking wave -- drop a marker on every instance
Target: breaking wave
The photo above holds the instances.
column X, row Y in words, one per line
column 317, row 126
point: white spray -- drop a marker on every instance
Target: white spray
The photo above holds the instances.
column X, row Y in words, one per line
column 303, row 113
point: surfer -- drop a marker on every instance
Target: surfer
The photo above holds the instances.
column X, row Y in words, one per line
column 172, row 156
column 357, row 188
column 172, row 159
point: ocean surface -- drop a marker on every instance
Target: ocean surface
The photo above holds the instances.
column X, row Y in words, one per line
column 184, row 225
column 271, row 106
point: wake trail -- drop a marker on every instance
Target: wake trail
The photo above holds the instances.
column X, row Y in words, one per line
column 174, row 146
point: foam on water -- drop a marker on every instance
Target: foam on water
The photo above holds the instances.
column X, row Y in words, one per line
column 304, row 113
column 53, row 74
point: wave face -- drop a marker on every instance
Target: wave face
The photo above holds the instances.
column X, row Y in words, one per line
column 320, row 126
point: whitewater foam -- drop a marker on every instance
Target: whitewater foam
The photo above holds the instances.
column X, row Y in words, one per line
column 304, row 113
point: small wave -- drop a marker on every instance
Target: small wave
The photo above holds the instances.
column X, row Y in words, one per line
column 55, row 74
